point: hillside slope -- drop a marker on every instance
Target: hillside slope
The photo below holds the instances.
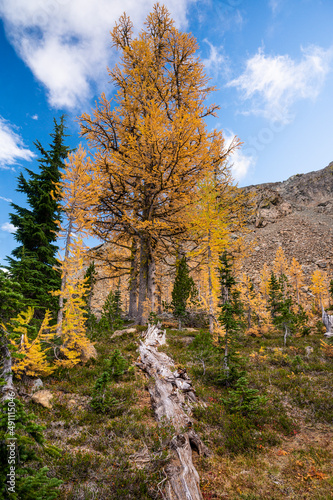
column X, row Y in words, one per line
column 297, row 215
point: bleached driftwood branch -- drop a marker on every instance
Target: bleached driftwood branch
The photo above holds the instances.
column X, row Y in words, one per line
column 171, row 397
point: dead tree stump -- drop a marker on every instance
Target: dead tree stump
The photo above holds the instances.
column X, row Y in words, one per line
column 328, row 322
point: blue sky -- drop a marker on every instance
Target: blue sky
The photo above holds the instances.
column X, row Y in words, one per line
column 271, row 61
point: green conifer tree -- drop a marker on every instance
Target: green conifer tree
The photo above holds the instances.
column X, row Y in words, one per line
column 34, row 261
column 281, row 306
column 32, row 481
column 231, row 312
column 10, row 297
column 91, row 278
column 11, row 302
column 274, row 295
column 111, row 317
column 183, row 289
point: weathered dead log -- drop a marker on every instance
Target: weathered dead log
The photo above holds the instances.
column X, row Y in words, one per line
column 328, row 322
column 171, row 397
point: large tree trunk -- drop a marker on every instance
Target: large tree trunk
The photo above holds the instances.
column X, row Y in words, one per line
column 6, row 369
column 159, row 298
column 151, row 281
column 171, row 397
column 147, row 285
column 143, row 281
column 133, row 287
column 210, row 289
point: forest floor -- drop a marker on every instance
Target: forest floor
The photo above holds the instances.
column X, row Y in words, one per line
column 280, row 449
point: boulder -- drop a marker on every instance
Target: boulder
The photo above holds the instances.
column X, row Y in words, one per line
column 88, row 352
column 118, row 333
column 37, row 385
column 43, row 398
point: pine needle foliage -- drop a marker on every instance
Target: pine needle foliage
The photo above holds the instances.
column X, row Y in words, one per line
column 11, row 300
column 111, row 316
column 31, row 483
column 103, row 400
column 183, row 289
column 230, row 318
column 243, row 399
column 281, row 305
column 34, row 263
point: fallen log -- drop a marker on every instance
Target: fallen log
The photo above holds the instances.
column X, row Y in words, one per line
column 172, row 396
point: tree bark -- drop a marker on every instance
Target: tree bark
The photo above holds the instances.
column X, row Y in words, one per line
column 159, row 298
column 328, row 322
column 286, row 333
column 6, row 369
column 133, row 288
column 143, row 281
column 210, row 289
column 171, row 398
column 151, row 284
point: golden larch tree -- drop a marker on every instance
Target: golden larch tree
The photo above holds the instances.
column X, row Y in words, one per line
column 264, row 282
column 32, row 359
column 319, row 288
column 151, row 144
column 280, row 265
column 296, row 278
column 75, row 189
column 75, row 346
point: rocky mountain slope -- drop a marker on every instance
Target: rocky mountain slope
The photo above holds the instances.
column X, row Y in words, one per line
column 296, row 214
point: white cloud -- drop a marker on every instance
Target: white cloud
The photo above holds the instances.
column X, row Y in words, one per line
column 6, row 199
column 8, row 227
column 275, row 5
column 34, row 117
column 12, row 148
column 67, row 43
column 274, row 84
column 217, row 62
column 240, row 162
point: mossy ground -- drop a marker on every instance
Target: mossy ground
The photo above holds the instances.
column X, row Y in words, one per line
column 284, row 451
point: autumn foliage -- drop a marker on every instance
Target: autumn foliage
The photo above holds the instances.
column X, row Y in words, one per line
column 151, row 146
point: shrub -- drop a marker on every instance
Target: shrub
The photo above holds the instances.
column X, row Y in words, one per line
column 244, row 400
column 31, row 483
column 111, row 400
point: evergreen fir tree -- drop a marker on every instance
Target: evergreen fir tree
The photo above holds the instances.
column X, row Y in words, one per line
column 111, row 317
column 34, row 261
column 183, row 289
column 10, row 303
column 274, row 295
column 231, row 309
column 91, row 278
column 10, row 297
column 281, row 306
column 30, row 483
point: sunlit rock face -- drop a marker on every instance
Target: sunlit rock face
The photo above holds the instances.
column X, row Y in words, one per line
column 296, row 214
